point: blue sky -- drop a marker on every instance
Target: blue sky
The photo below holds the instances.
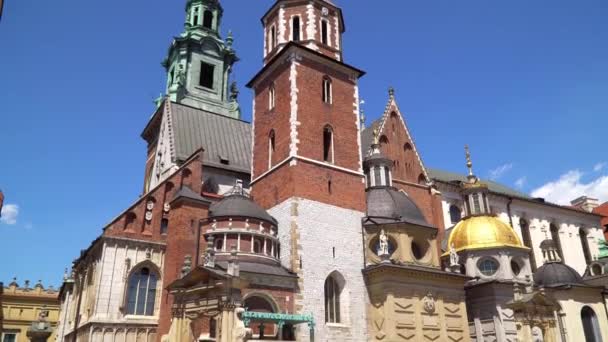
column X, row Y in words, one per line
column 525, row 83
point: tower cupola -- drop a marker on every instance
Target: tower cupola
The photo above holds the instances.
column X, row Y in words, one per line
column 203, row 15
column 377, row 166
column 475, row 192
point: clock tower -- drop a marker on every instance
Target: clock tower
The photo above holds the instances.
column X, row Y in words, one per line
column 306, row 167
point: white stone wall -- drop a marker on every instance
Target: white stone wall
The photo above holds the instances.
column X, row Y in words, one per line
column 322, row 228
column 572, row 302
column 103, row 298
column 540, row 217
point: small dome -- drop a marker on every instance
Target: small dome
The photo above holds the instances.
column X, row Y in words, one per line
column 481, row 232
column 237, row 205
column 388, row 205
column 555, row 274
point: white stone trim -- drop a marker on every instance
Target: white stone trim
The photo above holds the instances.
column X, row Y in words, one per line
column 311, row 27
column 357, row 112
column 293, row 118
column 282, row 25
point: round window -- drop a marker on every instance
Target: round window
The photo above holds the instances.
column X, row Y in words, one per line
column 515, row 268
column 596, row 270
column 488, row 267
column 419, row 249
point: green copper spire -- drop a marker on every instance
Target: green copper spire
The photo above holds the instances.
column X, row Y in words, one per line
column 199, row 62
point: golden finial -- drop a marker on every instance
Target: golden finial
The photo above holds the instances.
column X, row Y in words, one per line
column 376, row 136
column 469, row 162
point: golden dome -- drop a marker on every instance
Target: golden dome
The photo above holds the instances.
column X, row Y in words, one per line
column 480, row 232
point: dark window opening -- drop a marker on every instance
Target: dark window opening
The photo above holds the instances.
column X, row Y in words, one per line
column 334, row 251
column 212, row 327
column 332, row 300
column 296, row 29
column 525, row 234
column 271, row 147
column 207, row 73
column 219, row 244
column 273, row 38
column 164, row 226
column 327, row 90
column 329, row 187
column 585, row 244
column 377, row 176
column 208, row 19
column 195, row 17
column 328, row 145
column 556, row 239
column 455, row 214
column 324, row 32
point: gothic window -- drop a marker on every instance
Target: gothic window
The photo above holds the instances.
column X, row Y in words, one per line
column 271, row 97
column 271, row 147
column 164, row 226
column 590, row 325
column 208, row 19
column 585, row 243
column 327, row 90
column 525, row 234
column 296, row 28
column 328, row 145
column 488, row 267
column 455, row 214
column 141, row 293
column 558, row 244
column 332, row 300
column 207, row 74
column 324, row 32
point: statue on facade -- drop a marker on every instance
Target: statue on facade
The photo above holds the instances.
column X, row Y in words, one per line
column 383, row 246
column 240, row 332
column 234, row 91
column 454, row 258
column 180, row 77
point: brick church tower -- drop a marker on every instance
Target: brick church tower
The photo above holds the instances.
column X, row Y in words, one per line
column 306, row 167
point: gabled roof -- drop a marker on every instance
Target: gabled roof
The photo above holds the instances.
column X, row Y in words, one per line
column 227, row 141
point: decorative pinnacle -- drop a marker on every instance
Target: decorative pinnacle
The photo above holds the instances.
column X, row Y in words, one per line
column 230, row 39
column 391, row 92
column 469, row 162
column 376, row 136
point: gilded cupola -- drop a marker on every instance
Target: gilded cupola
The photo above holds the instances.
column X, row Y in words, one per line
column 480, row 229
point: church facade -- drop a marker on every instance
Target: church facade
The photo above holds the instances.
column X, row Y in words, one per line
column 305, row 226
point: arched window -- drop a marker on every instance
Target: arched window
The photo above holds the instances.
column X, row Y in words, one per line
column 208, row 19
column 332, row 300
column 556, row 239
column 295, row 25
column 525, row 234
column 327, row 90
column 271, row 97
column 590, row 325
column 455, row 214
column 261, row 303
column 257, row 246
column 271, row 147
column 328, row 144
column 141, row 293
column 585, row 243
column 219, row 245
column 324, row 32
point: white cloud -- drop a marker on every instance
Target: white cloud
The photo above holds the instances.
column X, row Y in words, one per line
column 521, row 182
column 569, row 186
column 9, row 214
column 498, row 172
column 600, row 166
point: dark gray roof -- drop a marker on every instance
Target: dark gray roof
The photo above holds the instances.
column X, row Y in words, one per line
column 186, row 192
column 448, row 177
column 387, row 205
column 236, row 205
column 557, row 274
column 221, row 137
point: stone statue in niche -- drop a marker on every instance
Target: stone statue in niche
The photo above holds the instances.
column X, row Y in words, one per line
column 180, row 78
column 383, row 246
column 429, row 303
